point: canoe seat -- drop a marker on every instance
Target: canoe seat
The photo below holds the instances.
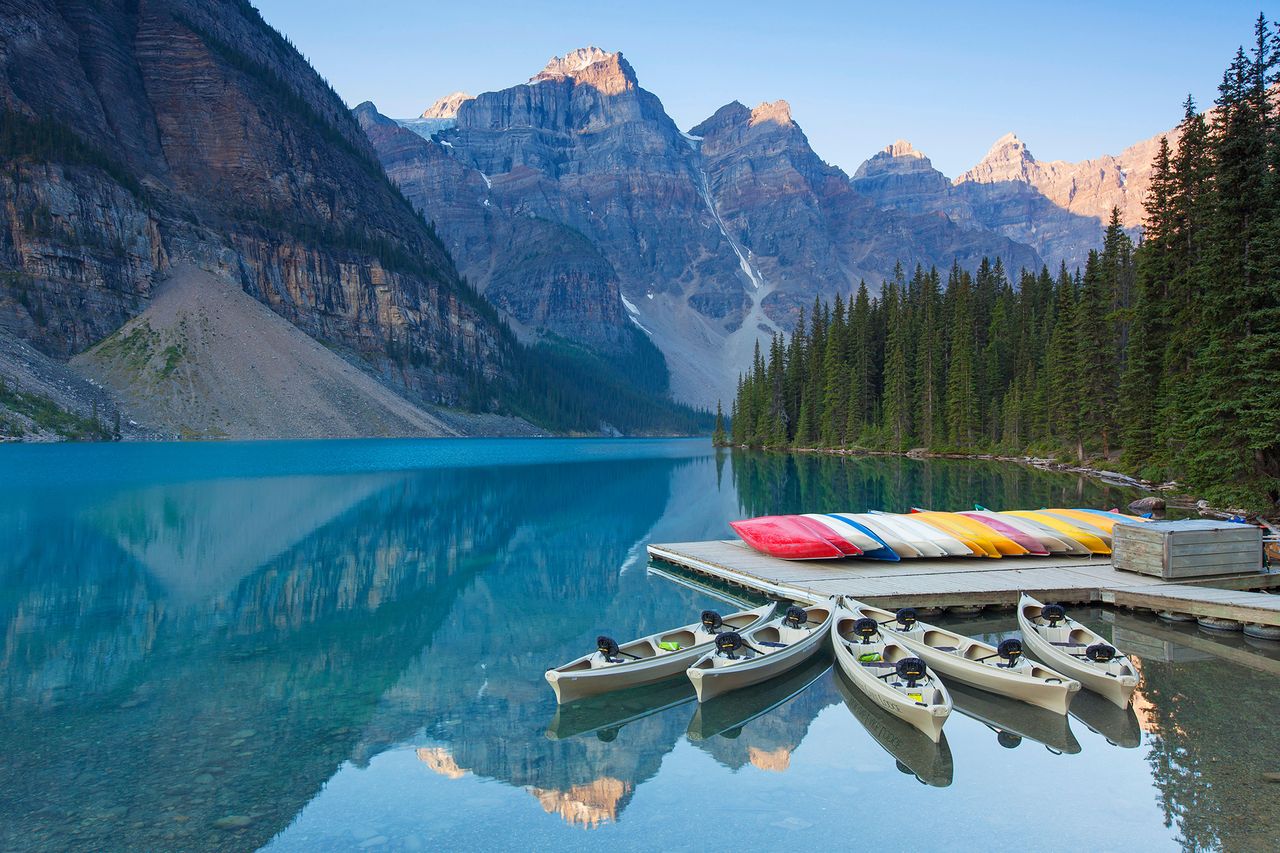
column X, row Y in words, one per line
column 772, row 644
column 876, row 663
column 944, row 648
column 1070, row 645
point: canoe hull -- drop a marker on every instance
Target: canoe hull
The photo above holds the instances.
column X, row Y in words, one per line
column 711, row 681
column 928, row 719
column 1039, row 686
column 1117, row 689
column 780, row 536
column 574, row 680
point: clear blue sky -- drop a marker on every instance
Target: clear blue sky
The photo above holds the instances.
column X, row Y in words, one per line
column 1074, row 80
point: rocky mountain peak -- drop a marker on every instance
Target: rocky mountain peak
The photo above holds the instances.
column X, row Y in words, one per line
column 447, row 107
column 778, row 112
column 1009, row 159
column 903, row 148
column 608, row 72
column 898, row 157
column 367, row 114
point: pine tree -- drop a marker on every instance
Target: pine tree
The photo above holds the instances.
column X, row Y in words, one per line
column 835, row 388
column 897, row 377
column 962, row 395
column 926, row 324
column 718, row 437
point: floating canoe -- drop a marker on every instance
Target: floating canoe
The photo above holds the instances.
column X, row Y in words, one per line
column 743, row 658
column 888, row 672
column 783, row 537
column 1055, row 541
column 873, row 547
column 954, row 546
column 1081, row 653
column 929, row 762
column 1088, row 540
column 1002, row 669
column 646, row 660
column 1013, row 721
column 904, row 545
column 726, row 716
column 1032, row 544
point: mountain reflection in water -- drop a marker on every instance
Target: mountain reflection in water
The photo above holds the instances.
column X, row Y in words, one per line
column 244, row 651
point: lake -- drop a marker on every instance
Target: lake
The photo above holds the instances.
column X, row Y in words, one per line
column 340, row 646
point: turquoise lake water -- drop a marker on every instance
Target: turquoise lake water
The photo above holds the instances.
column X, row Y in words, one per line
column 340, row 646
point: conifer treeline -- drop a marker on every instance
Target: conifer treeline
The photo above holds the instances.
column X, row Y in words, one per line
column 1167, row 356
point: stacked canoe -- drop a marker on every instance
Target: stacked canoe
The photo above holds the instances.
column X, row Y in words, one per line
column 921, row 533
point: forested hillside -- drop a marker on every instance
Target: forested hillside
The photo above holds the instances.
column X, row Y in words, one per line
column 1164, row 359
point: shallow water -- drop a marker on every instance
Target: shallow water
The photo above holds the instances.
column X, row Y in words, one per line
column 340, row 645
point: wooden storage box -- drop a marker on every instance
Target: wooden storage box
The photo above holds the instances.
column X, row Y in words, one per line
column 1186, row 549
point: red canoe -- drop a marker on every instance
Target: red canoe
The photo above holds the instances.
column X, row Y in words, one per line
column 844, row 546
column 784, row 537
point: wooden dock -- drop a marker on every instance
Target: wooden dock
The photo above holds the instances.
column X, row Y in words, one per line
column 970, row 583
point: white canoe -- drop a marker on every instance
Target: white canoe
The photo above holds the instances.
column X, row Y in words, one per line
column 980, row 665
column 1055, row 542
column 872, row 663
column 644, row 661
column 1065, row 644
column 903, row 544
column 767, row 650
column 951, row 546
column 846, row 531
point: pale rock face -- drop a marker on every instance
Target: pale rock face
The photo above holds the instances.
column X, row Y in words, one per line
column 1061, row 208
column 446, row 107
column 592, row 198
column 900, row 177
column 778, row 112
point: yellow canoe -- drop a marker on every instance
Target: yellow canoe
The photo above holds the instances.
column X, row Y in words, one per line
column 1107, row 522
column 957, row 533
column 1089, row 540
column 994, row 543
column 1098, row 528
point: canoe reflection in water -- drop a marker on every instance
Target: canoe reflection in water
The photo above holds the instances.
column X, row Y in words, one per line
column 605, row 715
column 912, row 750
column 727, row 715
column 1119, row 726
column 1015, row 721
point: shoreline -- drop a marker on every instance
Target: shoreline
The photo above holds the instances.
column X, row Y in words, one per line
column 1167, row 491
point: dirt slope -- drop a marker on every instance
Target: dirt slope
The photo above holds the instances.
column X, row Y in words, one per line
column 206, row 360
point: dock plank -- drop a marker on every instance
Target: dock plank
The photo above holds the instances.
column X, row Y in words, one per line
column 975, row 581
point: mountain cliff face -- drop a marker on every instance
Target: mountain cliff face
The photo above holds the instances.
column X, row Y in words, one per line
column 141, row 133
column 1059, row 208
column 712, row 239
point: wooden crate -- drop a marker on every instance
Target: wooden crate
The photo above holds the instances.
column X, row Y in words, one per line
column 1186, row 549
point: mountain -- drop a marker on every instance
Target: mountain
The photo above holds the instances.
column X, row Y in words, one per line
column 446, row 107
column 713, row 239
column 184, row 363
column 140, row 136
column 1059, row 208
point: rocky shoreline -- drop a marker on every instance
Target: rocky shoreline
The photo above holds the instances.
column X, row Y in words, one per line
column 1169, row 494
